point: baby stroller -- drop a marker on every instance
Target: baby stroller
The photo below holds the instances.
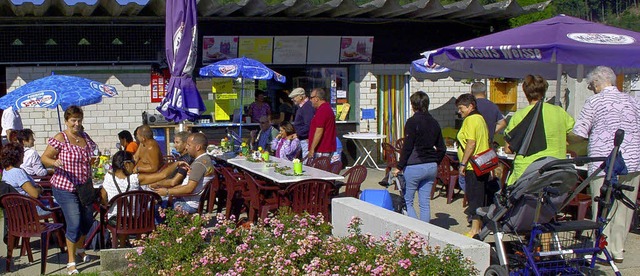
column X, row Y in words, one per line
column 528, row 240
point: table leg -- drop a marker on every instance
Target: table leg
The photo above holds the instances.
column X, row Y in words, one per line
column 367, row 155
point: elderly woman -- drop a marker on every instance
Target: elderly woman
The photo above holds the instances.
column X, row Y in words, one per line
column 69, row 152
column 557, row 124
column 423, row 149
column 473, row 138
column 31, row 163
column 286, row 144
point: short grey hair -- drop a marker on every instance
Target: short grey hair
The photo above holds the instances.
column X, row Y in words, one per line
column 183, row 135
column 602, row 74
column 321, row 94
column 478, row 88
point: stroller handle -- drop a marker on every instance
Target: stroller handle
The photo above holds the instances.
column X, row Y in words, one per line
column 577, row 161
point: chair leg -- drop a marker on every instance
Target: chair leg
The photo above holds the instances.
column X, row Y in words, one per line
column 433, row 188
column 230, row 196
column 582, row 209
column 44, row 249
column 61, row 240
column 26, row 245
column 114, row 239
column 451, row 189
column 11, row 241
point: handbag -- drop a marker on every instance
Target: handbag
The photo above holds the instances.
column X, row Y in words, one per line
column 86, row 193
column 484, row 162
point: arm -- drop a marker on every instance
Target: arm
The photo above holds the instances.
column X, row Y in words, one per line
column 316, row 140
column 501, row 125
column 50, row 155
column 409, row 141
column 466, row 157
column 182, row 189
column 31, row 190
column 33, row 164
column 573, row 138
column 149, row 178
column 104, row 199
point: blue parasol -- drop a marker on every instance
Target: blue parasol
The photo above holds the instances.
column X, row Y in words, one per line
column 57, row 91
column 244, row 68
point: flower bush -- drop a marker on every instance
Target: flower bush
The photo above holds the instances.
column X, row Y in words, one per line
column 288, row 244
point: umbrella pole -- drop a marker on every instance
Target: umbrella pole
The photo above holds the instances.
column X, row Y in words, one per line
column 59, row 123
column 558, row 82
column 241, row 109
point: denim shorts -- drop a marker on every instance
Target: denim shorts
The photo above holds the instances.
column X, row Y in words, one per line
column 77, row 217
column 184, row 207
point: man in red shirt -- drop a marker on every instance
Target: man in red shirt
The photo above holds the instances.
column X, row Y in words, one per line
column 322, row 131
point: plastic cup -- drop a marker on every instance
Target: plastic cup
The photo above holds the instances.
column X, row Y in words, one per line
column 265, row 156
column 297, row 168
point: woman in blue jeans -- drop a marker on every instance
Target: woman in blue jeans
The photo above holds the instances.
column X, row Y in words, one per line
column 423, row 149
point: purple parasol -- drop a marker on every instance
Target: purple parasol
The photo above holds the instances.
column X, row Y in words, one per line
column 183, row 101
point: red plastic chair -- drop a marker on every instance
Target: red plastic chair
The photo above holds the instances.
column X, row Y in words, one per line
column 580, row 204
column 263, row 198
column 135, row 214
column 322, row 163
column 335, row 167
column 354, row 178
column 23, row 222
column 390, row 156
column 399, row 145
column 312, row 196
column 207, row 195
column 237, row 193
column 447, row 177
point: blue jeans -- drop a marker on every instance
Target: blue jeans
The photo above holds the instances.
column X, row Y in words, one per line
column 304, row 144
column 419, row 178
column 77, row 217
column 181, row 204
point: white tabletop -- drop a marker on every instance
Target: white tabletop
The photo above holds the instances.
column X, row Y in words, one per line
column 262, row 169
column 364, row 136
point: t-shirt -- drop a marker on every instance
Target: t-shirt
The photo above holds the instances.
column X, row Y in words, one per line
column 491, row 114
column 110, row 187
column 557, row 123
column 202, row 171
column 16, row 177
column 10, row 120
column 473, row 128
column 325, row 119
column 132, row 147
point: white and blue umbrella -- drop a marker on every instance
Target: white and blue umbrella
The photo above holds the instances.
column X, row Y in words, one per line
column 244, row 68
column 57, row 91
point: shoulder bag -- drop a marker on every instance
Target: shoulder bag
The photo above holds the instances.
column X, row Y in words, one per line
column 86, row 193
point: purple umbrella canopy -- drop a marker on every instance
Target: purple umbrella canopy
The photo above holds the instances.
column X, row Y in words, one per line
column 550, row 47
column 183, row 101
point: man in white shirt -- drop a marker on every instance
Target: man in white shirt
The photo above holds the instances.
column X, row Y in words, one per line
column 10, row 121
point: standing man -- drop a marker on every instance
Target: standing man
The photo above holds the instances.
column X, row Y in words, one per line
column 489, row 111
column 10, row 121
column 302, row 120
column 322, row 131
column 602, row 114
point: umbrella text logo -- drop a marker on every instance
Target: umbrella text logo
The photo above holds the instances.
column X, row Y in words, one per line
column 602, row 38
column 44, row 99
column 104, row 89
column 228, row 70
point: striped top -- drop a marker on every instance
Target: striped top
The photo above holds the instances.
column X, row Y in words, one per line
column 601, row 116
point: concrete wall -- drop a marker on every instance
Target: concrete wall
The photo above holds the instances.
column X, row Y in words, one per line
column 379, row 222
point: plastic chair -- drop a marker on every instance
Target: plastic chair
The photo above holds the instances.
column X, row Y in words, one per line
column 236, row 190
column 135, row 214
column 322, row 163
column 390, row 156
column 263, row 198
column 580, row 204
column 399, row 145
column 205, row 203
column 23, row 222
column 447, row 176
column 354, row 178
column 336, row 167
column 312, row 196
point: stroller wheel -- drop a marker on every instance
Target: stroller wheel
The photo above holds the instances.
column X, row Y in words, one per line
column 496, row 270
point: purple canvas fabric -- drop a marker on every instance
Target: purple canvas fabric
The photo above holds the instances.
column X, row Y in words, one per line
column 182, row 101
column 539, row 47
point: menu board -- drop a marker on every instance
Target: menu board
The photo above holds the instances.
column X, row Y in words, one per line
column 323, row 50
column 356, row 49
column 259, row 48
column 216, row 48
column 290, row 50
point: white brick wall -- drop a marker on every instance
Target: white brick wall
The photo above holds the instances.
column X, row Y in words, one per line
column 102, row 121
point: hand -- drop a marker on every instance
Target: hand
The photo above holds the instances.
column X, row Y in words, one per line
column 294, row 136
column 182, row 164
column 252, row 133
column 58, row 163
column 395, row 171
column 461, row 170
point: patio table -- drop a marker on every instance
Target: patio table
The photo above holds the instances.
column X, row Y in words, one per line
column 264, row 170
column 365, row 153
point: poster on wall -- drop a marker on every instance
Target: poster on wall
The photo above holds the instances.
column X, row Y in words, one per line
column 159, row 83
column 323, row 50
column 259, row 48
column 356, row 49
column 290, row 50
column 216, row 48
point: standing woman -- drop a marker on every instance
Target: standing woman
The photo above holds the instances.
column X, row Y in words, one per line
column 423, row 149
column 69, row 152
column 473, row 138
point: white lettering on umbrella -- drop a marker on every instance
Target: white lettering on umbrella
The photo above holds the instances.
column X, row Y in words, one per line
column 601, row 38
column 504, row 52
column 176, row 101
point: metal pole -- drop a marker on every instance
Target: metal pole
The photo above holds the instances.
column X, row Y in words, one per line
column 558, row 86
column 59, row 123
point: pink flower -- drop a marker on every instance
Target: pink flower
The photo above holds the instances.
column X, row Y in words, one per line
column 404, row 263
column 140, row 250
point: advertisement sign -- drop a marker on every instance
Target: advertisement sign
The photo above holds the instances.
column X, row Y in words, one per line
column 356, row 49
column 259, row 48
column 290, row 50
column 216, row 48
column 159, row 83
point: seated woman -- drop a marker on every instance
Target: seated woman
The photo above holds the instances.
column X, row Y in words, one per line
column 126, row 141
column 11, row 155
column 31, row 162
column 123, row 180
column 286, row 144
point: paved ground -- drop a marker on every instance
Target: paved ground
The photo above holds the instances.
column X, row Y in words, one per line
column 448, row 216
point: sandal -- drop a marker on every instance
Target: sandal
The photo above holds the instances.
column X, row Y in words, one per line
column 85, row 258
column 74, row 271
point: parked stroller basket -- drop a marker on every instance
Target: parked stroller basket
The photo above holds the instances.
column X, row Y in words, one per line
column 528, row 240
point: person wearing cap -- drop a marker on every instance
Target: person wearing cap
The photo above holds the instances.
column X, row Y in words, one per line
column 302, row 120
